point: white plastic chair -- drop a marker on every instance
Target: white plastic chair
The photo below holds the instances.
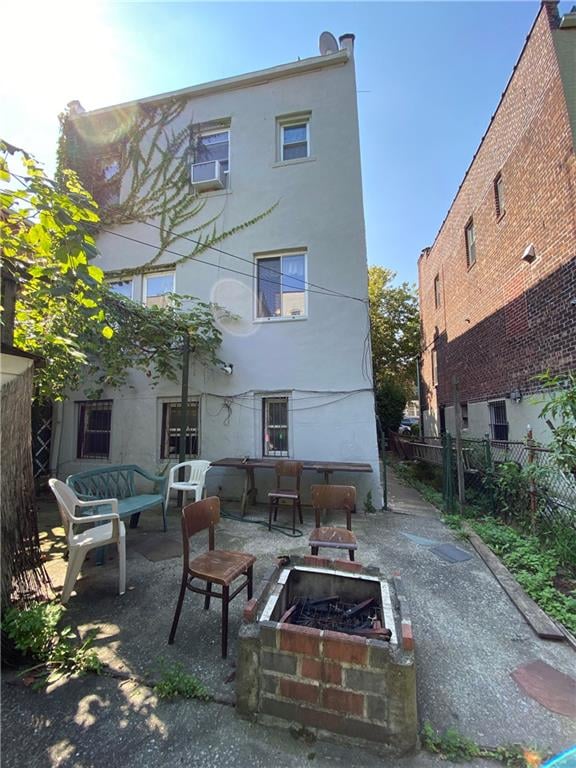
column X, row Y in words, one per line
column 193, row 482
column 79, row 544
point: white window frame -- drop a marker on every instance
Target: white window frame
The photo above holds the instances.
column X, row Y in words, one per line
column 265, row 400
column 148, row 275
column 213, row 132
column 492, row 406
column 305, row 121
column 119, row 280
column 281, row 318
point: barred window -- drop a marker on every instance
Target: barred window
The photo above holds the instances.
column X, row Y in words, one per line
column 94, row 426
column 171, row 430
column 275, row 426
column 498, row 420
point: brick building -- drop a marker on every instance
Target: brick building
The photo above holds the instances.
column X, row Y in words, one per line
column 498, row 285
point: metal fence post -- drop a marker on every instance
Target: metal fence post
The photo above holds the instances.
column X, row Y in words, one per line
column 490, row 473
column 448, row 473
column 533, row 498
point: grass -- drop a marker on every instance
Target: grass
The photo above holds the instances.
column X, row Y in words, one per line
column 451, row 745
column 175, row 683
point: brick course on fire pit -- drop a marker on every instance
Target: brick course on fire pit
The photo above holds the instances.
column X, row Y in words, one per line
column 350, row 685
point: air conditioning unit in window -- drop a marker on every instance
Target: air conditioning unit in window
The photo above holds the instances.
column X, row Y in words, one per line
column 208, row 175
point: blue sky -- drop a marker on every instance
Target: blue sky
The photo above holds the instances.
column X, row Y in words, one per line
column 429, row 77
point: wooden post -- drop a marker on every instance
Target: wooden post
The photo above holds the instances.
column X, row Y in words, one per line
column 458, row 436
column 533, row 497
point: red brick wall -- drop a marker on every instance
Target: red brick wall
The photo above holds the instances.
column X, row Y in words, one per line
column 503, row 320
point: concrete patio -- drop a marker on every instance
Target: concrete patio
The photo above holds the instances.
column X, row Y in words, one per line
column 469, row 639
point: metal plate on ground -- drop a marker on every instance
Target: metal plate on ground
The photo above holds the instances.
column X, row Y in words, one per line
column 450, row 553
column 548, row 686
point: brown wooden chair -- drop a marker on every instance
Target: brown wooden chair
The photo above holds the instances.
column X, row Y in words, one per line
column 217, row 566
column 286, row 469
column 333, row 498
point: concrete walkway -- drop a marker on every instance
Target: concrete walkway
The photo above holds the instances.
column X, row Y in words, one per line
column 469, row 639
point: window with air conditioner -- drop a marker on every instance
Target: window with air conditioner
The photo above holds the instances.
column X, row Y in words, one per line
column 211, row 164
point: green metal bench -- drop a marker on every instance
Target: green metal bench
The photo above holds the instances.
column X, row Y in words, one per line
column 119, row 482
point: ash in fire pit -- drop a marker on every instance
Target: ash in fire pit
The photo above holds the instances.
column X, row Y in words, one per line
column 361, row 618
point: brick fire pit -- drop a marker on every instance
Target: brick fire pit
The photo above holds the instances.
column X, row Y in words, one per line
column 358, row 687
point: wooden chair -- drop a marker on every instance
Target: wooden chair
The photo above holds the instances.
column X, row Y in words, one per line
column 216, row 566
column 286, row 469
column 333, row 498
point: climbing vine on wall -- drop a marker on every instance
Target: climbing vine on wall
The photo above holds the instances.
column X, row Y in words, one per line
column 136, row 163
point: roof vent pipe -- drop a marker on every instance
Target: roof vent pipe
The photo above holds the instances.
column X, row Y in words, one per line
column 347, row 42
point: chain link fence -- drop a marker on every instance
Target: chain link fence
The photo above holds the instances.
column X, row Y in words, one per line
column 512, row 480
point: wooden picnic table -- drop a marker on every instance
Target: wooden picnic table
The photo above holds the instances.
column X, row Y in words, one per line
column 326, row 468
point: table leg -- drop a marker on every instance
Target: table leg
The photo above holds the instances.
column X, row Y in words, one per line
column 253, row 490
column 244, row 500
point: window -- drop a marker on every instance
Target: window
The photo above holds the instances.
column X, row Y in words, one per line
column 171, row 423
column 294, row 140
column 434, row 367
column 157, row 287
column 281, row 285
column 94, row 422
column 437, row 294
column 499, row 195
column 470, row 243
column 210, row 146
column 122, row 287
column 498, row 420
column 275, row 426
column 464, row 415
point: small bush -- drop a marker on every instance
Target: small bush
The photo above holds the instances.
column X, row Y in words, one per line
column 175, row 682
column 35, row 631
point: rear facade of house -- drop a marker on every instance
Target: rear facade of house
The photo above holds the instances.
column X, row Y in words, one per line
column 298, row 380
column 498, row 286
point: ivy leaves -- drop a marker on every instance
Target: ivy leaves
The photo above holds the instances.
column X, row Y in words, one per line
column 65, row 312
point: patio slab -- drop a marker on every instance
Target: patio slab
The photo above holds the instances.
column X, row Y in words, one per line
column 469, row 639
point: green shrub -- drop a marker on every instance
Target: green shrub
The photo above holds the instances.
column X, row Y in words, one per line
column 176, row 682
column 35, row 631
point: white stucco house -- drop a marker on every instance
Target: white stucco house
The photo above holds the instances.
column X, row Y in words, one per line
column 299, row 379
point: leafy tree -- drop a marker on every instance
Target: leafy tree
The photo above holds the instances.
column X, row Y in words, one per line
column 390, row 404
column 395, row 329
column 65, row 312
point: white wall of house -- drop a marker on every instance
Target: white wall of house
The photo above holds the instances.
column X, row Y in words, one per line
column 317, row 360
column 519, row 416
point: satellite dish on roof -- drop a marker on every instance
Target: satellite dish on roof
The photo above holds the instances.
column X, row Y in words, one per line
column 327, row 44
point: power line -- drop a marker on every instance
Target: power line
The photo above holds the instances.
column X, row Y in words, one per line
column 248, row 261
column 226, row 269
column 322, row 292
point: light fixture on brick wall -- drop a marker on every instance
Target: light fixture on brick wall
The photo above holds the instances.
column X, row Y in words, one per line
column 516, row 395
column 529, row 254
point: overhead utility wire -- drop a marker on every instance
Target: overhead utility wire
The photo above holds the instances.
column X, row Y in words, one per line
column 323, row 292
column 227, row 269
column 248, row 261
